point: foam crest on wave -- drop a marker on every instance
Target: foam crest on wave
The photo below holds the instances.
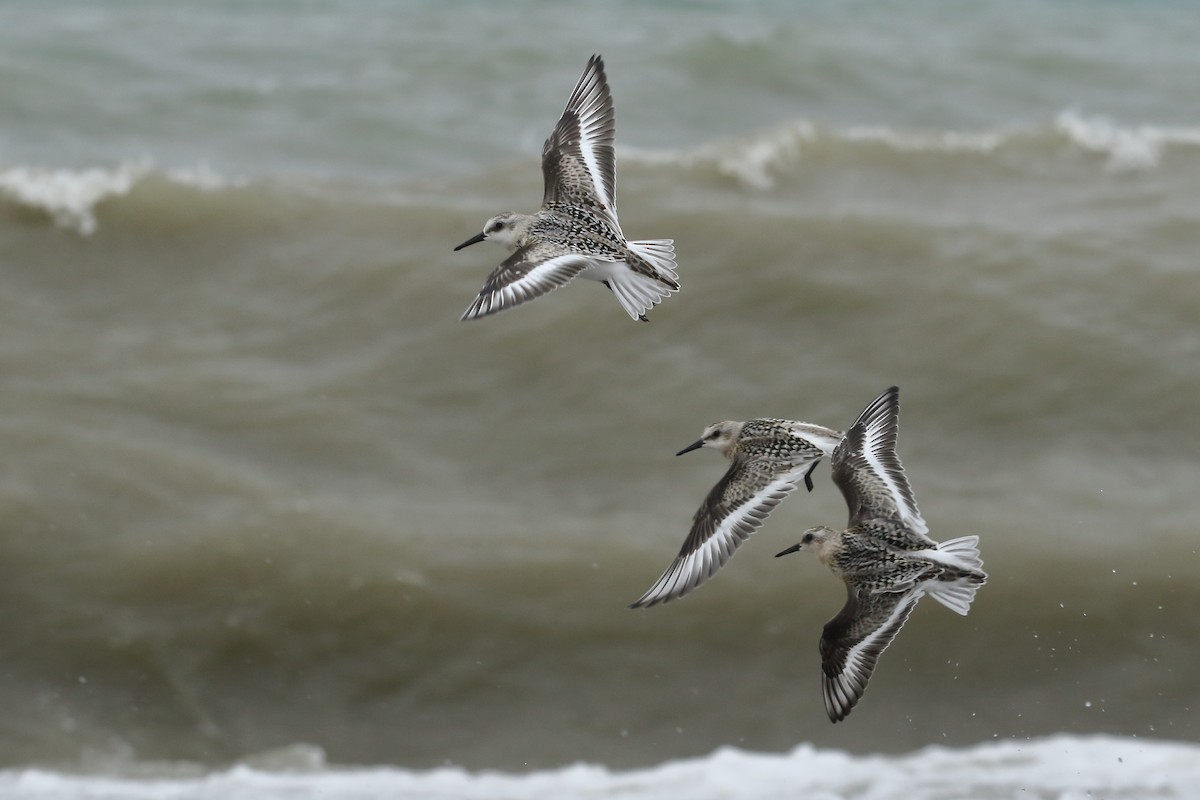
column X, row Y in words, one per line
column 1127, row 147
column 758, row 160
column 1055, row 767
column 755, row 161
column 70, row 196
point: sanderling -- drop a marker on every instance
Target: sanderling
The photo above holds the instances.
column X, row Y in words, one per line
column 576, row 231
column 884, row 556
column 769, row 457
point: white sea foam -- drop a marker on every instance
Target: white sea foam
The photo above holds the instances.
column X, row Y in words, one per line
column 205, row 178
column 1060, row 767
column 753, row 160
column 757, row 160
column 927, row 141
column 1127, row 147
column 69, row 196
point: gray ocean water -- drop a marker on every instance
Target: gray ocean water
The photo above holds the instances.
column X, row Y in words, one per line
column 260, row 487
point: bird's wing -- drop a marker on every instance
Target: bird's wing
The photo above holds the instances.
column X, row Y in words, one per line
column 868, row 471
column 733, row 510
column 853, row 640
column 531, row 271
column 577, row 160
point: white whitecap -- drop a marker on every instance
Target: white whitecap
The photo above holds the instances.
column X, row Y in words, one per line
column 69, row 196
column 1058, row 766
column 204, row 177
column 756, row 160
column 948, row 141
column 1128, row 147
column 751, row 160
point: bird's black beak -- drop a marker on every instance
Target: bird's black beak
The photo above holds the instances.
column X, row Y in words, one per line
column 791, row 549
column 696, row 445
column 479, row 237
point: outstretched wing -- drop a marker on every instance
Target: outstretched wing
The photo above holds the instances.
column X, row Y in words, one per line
column 577, row 160
column 868, row 471
column 531, row 271
column 733, row 510
column 854, row 639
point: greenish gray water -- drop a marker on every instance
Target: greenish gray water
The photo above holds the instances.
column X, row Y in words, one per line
column 261, row 487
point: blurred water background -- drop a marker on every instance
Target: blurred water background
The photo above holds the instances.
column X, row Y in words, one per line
column 262, row 492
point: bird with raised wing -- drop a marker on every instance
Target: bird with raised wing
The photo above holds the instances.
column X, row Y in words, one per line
column 884, row 556
column 576, row 232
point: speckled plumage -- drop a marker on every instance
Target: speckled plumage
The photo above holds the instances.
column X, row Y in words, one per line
column 576, row 232
column 883, row 555
column 769, row 457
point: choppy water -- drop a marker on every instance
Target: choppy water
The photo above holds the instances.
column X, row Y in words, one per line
column 260, row 488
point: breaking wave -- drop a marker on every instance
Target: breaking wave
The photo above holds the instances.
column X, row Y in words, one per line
column 1059, row 767
column 755, row 162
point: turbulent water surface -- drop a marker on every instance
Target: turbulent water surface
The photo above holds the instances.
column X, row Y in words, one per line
column 262, row 492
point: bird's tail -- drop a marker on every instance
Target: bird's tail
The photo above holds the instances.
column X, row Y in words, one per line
column 650, row 279
column 956, row 587
column 963, row 551
column 659, row 254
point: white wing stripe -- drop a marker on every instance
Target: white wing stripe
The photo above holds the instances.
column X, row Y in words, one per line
column 546, row 276
column 688, row 572
column 872, row 443
column 549, row 271
column 844, row 690
column 591, row 117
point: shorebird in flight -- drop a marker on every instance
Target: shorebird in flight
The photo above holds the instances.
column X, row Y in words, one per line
column 884, row 556
column 576, row 232
column 769, row 457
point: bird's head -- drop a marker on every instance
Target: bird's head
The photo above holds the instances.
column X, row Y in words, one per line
column 811, row 539
column 507, row 229
column 720, row 435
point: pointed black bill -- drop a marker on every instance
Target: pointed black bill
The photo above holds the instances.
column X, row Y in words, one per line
column 791, row 549
column 479, row 237
column 696, row 445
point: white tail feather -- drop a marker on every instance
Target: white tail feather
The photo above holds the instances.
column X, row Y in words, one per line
column 658, row 253
column 963, row 551
column 955, row 595
column 637, row 293
column 627, row 298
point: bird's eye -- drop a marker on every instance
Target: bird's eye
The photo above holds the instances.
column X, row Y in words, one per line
column 496, row 227
column 808, row 537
